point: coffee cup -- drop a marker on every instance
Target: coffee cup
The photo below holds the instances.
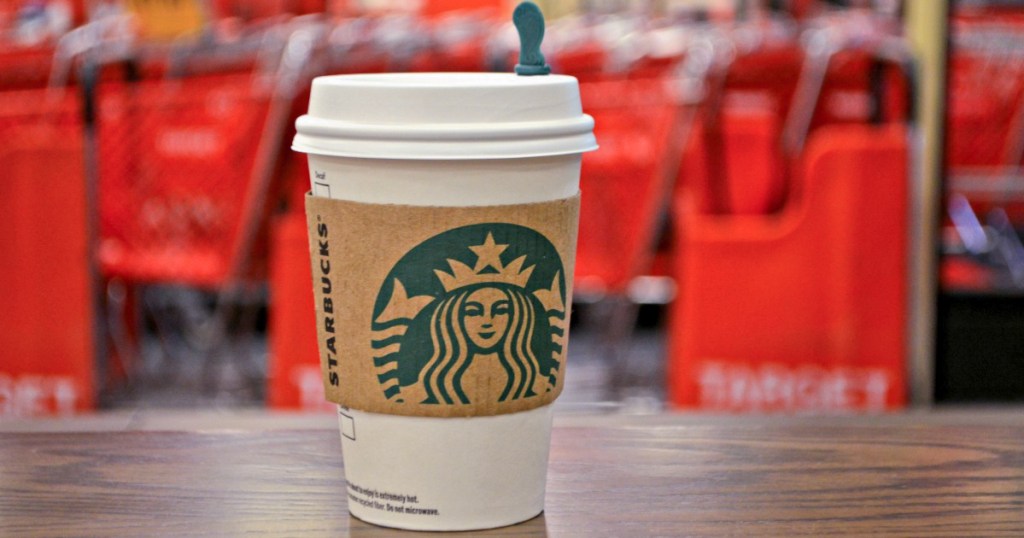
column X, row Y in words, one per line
column 442, row 218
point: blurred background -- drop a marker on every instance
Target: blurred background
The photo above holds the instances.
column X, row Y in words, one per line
column 798, row 205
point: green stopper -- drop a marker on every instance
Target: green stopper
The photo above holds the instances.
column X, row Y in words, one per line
column 529, row 23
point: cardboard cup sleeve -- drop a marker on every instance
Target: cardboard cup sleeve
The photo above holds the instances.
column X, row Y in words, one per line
column 442, row 311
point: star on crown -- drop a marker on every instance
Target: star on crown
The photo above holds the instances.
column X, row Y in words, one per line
column 488, row 268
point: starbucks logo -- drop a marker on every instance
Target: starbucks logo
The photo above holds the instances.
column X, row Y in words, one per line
column 474, row 314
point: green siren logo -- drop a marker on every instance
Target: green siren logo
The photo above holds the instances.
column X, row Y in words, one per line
column 474, row 314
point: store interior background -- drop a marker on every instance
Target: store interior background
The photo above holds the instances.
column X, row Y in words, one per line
column 799, row 206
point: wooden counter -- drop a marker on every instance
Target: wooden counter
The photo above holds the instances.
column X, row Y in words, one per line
column 939, row 473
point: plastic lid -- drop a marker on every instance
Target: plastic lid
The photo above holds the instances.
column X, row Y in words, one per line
column 444, row 116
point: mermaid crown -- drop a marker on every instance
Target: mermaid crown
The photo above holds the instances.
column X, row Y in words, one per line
column 488, row 268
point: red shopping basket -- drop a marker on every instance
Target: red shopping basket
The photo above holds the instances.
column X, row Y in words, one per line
column 623, row 183
column 177, row 158
column 981, row 105
column 734, row 162
column 848, row 96
column 763, row 79
column 24, row 67
column 586, row 60
column 56, row 108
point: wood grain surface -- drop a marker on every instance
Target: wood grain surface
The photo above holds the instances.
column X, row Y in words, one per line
column 924, row 474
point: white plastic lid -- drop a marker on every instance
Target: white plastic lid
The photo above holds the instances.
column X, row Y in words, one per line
column 444, row 116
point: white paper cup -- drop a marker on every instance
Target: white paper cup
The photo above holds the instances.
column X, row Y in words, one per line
column 447, row 140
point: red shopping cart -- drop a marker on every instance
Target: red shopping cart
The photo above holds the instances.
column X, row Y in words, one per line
column 46, row 307
column 985, row 151
column 806, row 310
column 186, row 167
column 626, row 184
